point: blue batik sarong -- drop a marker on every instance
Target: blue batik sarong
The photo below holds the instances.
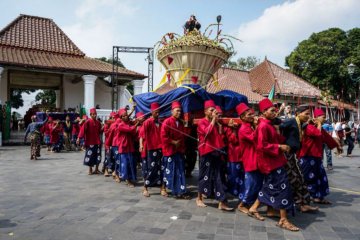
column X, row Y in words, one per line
column 314, row 176
column 276, row 190
column 56, row 147
column 253, row 184
column 127, row 170
column 152, row 168
column 235, row 179
column 211, row 176
column 174, row 174
column 47, row 140
column 92, row 155
column 111, row 162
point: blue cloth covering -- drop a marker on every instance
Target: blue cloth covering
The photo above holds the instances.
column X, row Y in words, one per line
column 190, row 101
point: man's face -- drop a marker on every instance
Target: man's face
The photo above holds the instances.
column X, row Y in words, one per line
column 321, row 119
column 270, row 113
column 125, row 117
column 176, row 112
column 287, row 109
column 155, row 114
column 247, row 116
column 209, row 112
column 93, row 115
column 67, row 118
column 304, row 116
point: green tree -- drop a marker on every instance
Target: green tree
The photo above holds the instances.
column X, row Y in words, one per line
column 16, row 99
column 47, row 97
column 322, row 59
column 244, row 64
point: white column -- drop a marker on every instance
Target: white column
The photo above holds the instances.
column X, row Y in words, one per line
column 89, row 91
column 138, row 85
column 121, row 93
column 57, row 93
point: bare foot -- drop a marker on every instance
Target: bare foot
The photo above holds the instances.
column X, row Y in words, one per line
column 224, row 207
column 243, row 209
column 308, row 208
column 200, row 203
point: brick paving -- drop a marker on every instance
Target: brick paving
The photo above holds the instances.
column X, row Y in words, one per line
column 54, row 198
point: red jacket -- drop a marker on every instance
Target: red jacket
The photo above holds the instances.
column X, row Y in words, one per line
column 141, row 135
column 172, row 129
column 232, row 144
column 126, row 134
column 247, row 146
column 46, row 128
column 112, row 138
column 75, row 129
column 152, row 134
column 209, row 138
column 54, row 133
column 268, row 153
column 313, row 140
column 91, row 131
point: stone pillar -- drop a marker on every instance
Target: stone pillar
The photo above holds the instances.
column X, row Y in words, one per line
column 89, row 91
column 58, row 99
column 138, row 85
column 121, row 98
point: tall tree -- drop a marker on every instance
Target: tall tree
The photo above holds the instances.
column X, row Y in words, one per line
column 47, row 97
column 323, row 59
column 244, row 64
column 16, row 99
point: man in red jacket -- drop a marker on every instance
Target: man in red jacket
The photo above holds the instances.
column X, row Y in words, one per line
column 91, row 131
column 276, row 191
column 150, row 139
column 173, row 148
column 311, row 154
column 210, row 148
column 247, row 153
column 126, row 133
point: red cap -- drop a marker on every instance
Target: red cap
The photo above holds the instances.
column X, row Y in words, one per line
column 112, row 114
column 116, row 115
column 318, row 112
column 175, row 104
column 139, row 114
column 209, row 103
column 265, row 104
column 219, row 110
column 92, row 110
column 121, row 111
column 50, row 118
column 241, row 108
column 154, row 106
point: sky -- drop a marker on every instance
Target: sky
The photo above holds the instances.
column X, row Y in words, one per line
column 270, row 28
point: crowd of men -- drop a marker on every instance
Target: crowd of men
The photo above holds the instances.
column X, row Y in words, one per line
column 264, row 160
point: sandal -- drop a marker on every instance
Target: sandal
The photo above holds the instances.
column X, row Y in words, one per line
column 256, row 215
column 285, row 224
column 322, row 201
column 146, row 193
column 164, row 193
column 183, row 197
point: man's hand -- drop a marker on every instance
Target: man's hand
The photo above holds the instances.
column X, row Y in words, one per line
column 176, row 143
column 78, row 141
column 284, row 148
column 141, row 148
column 231, row 123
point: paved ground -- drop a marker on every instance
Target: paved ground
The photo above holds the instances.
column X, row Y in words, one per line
column 54, row 198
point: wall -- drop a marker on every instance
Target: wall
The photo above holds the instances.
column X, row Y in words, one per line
column 73, row 94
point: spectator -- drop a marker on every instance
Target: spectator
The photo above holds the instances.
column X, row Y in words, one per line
column 327, row 126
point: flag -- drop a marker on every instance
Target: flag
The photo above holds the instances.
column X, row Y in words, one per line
column 272, row 93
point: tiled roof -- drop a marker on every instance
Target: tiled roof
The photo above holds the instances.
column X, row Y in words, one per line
column 37, row 42
column 234, row 80
column 263, row 77
column 338, row 104
column 37, row 33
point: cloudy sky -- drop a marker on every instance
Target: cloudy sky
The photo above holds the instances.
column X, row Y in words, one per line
column 269, row 28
